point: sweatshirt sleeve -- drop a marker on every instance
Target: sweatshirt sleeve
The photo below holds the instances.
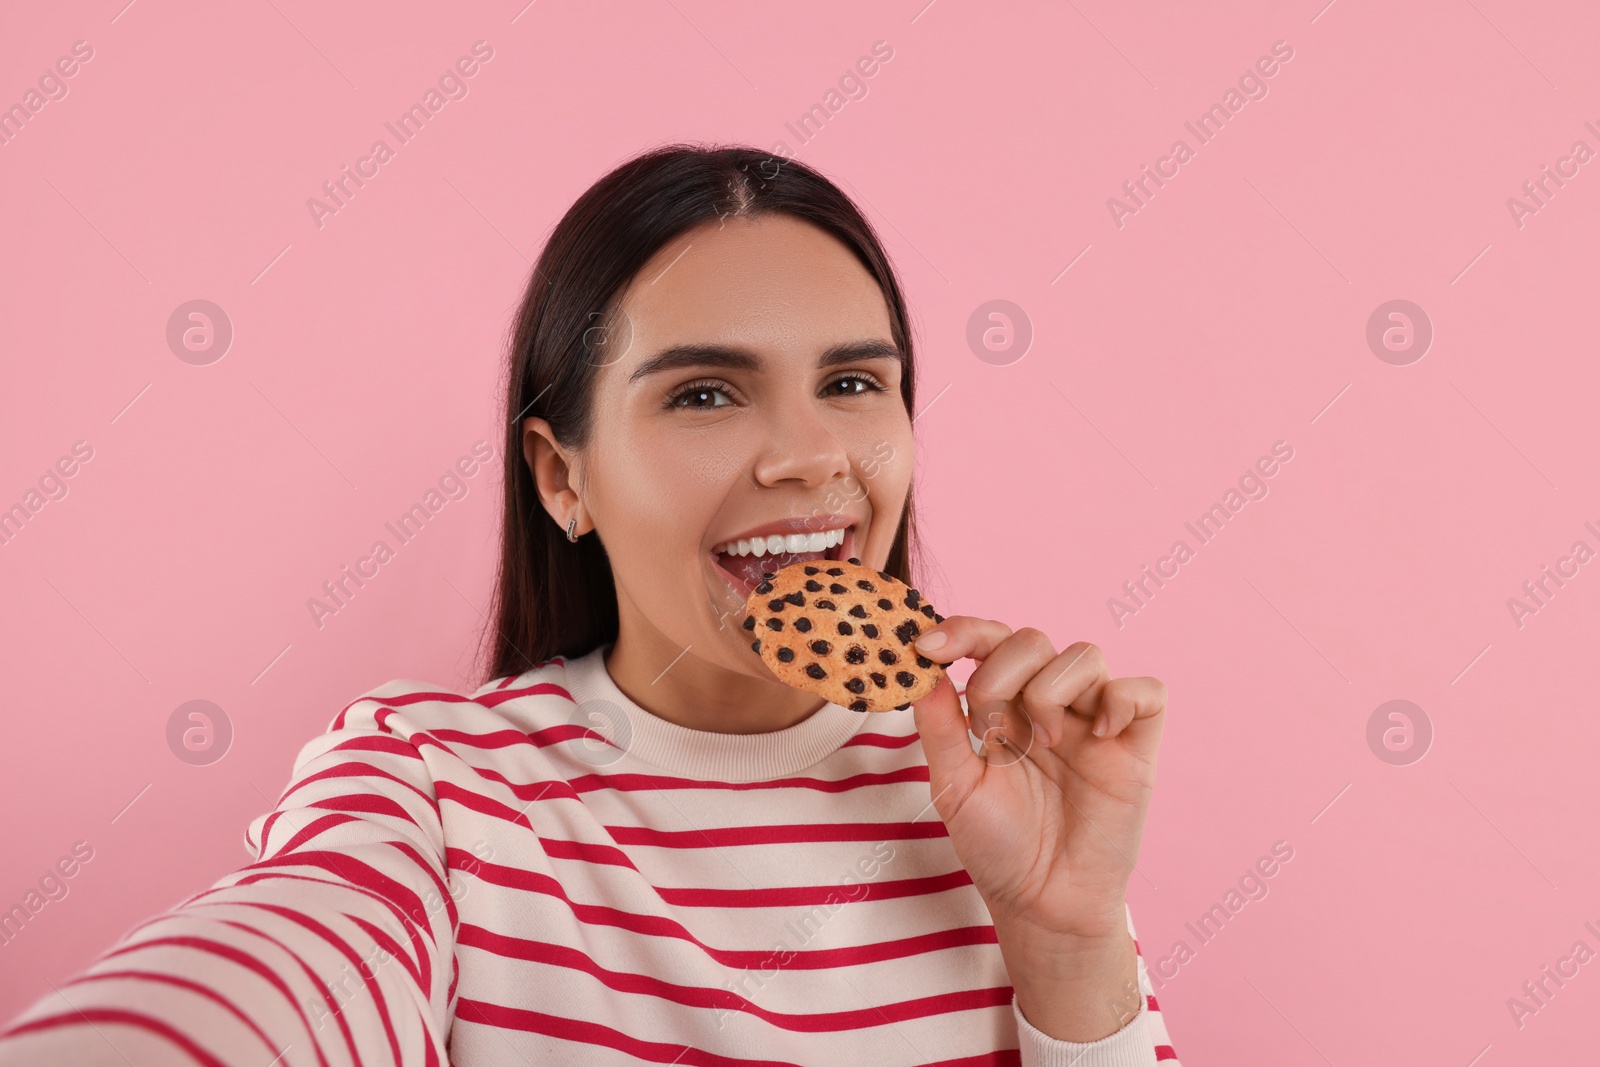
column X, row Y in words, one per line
column 335, row 946
column 1142, row 1041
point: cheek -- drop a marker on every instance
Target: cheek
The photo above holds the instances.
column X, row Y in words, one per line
column 656, row 490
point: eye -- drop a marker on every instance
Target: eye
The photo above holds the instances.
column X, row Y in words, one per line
column 695, row 393
column 870, row 384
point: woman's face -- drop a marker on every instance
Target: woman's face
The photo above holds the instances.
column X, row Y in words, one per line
column 749, row 389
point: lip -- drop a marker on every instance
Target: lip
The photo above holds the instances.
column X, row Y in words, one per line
column 800, row 524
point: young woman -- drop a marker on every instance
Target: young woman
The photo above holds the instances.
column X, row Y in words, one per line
column 632, row 843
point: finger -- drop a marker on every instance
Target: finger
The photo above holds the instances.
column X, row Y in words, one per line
column 1002, row 676
column 945, row 744
column 1130, row 704
column 1068, row 685
column 961, row 635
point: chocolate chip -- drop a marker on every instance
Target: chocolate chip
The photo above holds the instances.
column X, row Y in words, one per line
column 886, row 576
column 887, row 657
column 878, row 680
column 868, row 586
column 855, row 654
column 814, row 586
column 858, row 705
column 821, row 648
column 912, row 600
column 886, row 604
column 927, row 609
column 749, row 622
column 764, row 587
column 845, row 629
column 824, row 605
column 774, row 624
column 853, row 559
column 797, row 599
column 924, row 662
column 755, row 646
column 870, row 630
column 906, row 631
column 855, row 685
column 837, row 589
column 803, row 624
column 811, row 570
column 937, row 618
column 816, row 671
column 774, row 605
column 906, row 678
column 785, row 655
column 902, row 707
column 835, row 571
column 859, row 612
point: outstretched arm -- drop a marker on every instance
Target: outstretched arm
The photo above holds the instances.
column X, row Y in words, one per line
column 335, row 946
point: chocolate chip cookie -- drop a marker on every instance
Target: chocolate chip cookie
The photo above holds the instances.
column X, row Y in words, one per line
column 843, row 631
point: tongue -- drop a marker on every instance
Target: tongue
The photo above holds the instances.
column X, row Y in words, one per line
column 750, row 568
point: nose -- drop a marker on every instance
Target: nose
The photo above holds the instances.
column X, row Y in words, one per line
column 801, row 449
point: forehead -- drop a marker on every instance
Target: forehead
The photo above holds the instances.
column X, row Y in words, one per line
column 774, row 283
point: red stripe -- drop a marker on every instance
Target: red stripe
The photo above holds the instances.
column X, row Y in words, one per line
column 793, row 896
column 641, row 782
column 311, row 830
column 230, row 953
column 316, row 983
column 483, row 805
column 498, row 697
column 418, row 970
column 494, row 739
column 127, row 1018
column 799, row 959
column 766, row 897
column 568, row 789
column 870, row 740
column 366, row 876
column 385, row 743
column 660, row 926
column 182, row 983
column 370, row 803
column 817, row 1022
column 357, row 769
column 576, row 1030
column 776, row 834
column 352, row 957
column 1165, row 1052
column 419, row 949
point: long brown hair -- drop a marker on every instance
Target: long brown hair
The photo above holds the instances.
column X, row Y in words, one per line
column 558, row 598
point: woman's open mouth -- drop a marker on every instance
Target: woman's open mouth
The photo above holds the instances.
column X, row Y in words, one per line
column 744, row 560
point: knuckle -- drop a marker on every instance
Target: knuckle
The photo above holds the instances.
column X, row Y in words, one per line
column 1034, row 637
column 1092, row 654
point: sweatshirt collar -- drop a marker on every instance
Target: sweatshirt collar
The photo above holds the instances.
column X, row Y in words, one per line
column 702, row 754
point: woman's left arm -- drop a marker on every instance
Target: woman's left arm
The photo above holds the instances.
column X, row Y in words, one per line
column 1047, row 820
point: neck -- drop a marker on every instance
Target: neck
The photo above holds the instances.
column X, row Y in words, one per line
column 694, row 691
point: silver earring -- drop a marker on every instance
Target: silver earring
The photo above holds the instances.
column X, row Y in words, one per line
column 572, row 524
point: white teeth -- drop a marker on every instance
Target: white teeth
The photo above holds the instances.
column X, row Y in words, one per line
column 773, row 544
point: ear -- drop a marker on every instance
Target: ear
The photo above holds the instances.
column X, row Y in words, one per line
column 552, row 471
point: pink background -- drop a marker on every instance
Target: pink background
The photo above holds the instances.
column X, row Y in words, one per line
column 1228, row 313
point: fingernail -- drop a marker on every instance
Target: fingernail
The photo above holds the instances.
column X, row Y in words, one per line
column 1102, row 724
column 930, row 640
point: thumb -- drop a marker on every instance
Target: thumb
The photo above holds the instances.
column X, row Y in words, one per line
column 947, row 743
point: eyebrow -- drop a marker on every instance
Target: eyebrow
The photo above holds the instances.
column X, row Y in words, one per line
column 712, row 355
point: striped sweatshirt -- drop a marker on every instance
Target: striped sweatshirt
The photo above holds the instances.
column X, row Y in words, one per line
column 543, row 872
